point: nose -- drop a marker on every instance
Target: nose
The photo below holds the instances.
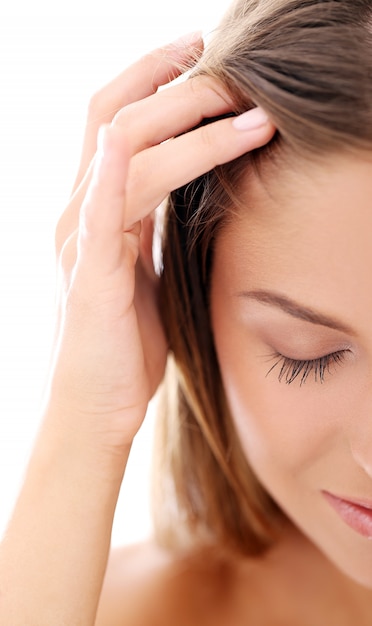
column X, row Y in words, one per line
column 358, row 424
column 363, row 457
column 360, row 439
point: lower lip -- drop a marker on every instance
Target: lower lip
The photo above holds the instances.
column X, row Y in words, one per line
column 355, row 515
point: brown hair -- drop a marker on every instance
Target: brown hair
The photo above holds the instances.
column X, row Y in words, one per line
column 308, row 63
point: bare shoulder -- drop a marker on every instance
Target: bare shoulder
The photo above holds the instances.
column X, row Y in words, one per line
column 148, row 586
column 131, row 575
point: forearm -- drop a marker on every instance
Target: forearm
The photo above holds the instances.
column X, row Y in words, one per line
column 54, row 555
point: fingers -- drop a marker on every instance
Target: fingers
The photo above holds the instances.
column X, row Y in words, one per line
column 151, row 121
column 124, row 190
column 172, row 111
column 144, row 129
column 135, row 83
column 100, row 241
column 69, row 220
column 153, row 173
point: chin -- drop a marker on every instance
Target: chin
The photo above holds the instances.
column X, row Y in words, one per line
column 352, row 559
column 357, row 573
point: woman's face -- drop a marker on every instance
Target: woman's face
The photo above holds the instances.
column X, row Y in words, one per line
column 292, row 319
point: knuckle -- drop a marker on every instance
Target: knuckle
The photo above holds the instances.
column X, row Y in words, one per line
column 150, row 61
column 138, row 172
column 119, row 118
column 145, row 186
column 207, row 138
column 126, row 117
column 202, row 84
column 197, row 86
column 97, row 105
column 154, row 63
column 149, row 58
column 154, row 57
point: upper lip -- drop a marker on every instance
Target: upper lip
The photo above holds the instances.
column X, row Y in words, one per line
column 363, row 502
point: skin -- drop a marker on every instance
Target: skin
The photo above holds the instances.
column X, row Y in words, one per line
column 306, row 236
column 109, row 357
column 109, row 351
column 308, row 239
column 308, row 233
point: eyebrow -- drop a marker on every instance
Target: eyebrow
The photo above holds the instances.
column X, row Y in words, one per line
column 295, row 309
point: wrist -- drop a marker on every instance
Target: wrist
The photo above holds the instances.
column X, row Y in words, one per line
column 65, row 439
column 96, row 415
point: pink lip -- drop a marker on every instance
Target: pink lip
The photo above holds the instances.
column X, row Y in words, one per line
column 356, row 513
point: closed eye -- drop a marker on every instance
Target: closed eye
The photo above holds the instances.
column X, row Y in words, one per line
column 290, row 370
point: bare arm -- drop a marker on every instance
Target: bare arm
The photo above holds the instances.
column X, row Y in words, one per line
column 110, row 351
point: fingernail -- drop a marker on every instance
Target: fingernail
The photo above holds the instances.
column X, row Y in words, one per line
column 251, row 119
column 190, row 40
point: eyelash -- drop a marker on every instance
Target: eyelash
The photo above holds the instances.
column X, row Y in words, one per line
column 291, row 369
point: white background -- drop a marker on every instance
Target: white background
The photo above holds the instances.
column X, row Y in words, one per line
column 53, row 56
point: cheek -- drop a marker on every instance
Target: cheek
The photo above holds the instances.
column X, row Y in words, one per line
column 286, row 431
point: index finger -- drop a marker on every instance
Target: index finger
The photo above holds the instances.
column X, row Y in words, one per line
column 138, row 81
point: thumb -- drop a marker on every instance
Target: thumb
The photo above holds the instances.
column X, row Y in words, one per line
column 101, row 223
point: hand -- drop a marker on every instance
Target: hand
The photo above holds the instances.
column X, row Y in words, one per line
column 110, row 350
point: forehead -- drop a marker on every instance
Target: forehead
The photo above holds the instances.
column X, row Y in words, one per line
column 306, row 232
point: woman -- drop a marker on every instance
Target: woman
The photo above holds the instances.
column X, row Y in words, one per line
column 264, row 496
